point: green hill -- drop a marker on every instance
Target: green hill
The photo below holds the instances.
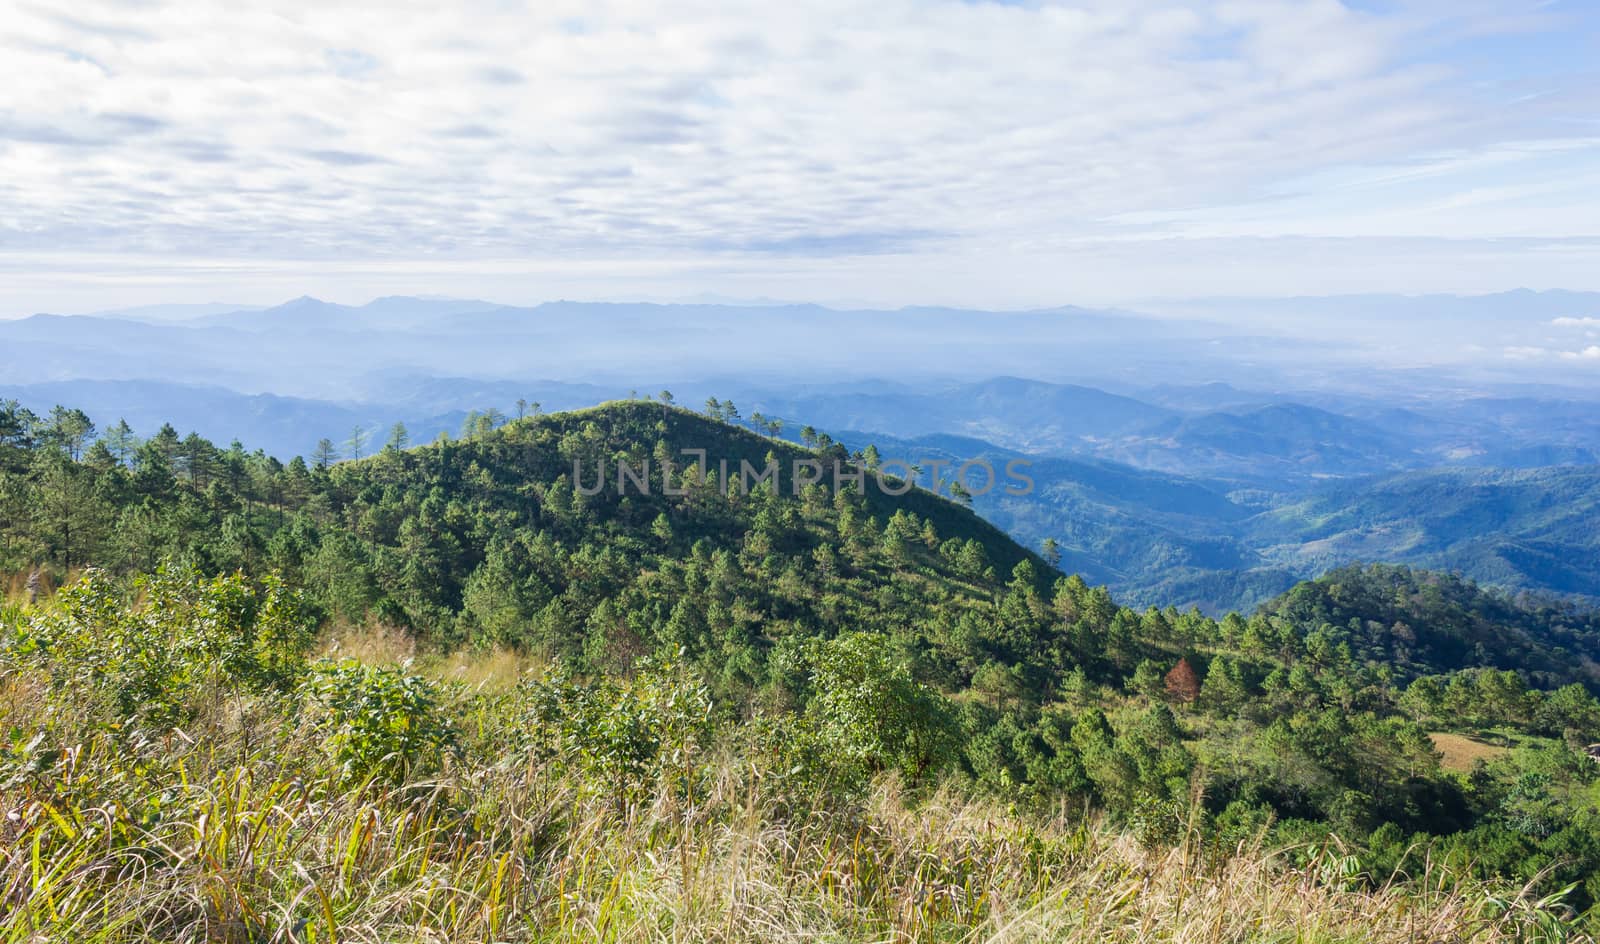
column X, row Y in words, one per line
column 815, row 640
column 1519, row 529
column 491, row 540
column 1419, row 622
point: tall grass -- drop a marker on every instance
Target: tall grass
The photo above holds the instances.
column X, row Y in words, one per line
column 239, row 828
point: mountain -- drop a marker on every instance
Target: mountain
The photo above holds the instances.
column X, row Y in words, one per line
column 671, row 639
column 1519, row 529
column 159, row 314
column 309, row 347
column 1266, row 445
column 307, row 314
column 1152, row 537
column 1291, row 490
column 1418, row 622
column 487, row 535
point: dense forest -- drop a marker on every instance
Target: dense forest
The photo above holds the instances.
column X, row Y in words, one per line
column 1409, row 720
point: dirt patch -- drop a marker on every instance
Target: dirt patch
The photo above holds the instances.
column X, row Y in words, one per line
column 1461, row 752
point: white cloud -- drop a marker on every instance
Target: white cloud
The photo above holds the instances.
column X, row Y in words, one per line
column 1590, row 353
column 896, row 141
column 1526, row 353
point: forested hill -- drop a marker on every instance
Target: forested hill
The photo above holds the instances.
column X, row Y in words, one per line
column 491, row 540
column 1419, row 621
column 877, row 632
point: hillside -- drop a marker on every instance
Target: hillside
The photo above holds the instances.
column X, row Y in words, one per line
column 1525, row 529
column 1213, row 495
column 491, row 540
column 842, row 635
column 191, row 788
column 1419, row 622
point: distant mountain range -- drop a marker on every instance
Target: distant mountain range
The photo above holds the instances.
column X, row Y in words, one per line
column 1153, row 475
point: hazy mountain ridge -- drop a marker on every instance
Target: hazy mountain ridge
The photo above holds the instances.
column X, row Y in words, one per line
column 1190, row 490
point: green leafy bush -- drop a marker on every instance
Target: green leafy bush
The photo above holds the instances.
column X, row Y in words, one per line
column 872, row 714
column 150, row 644
column 629, row 733
column 378, row 723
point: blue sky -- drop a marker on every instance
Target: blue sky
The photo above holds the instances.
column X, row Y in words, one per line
column 895, row 153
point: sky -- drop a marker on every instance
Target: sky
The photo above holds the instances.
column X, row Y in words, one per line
column 895, row 152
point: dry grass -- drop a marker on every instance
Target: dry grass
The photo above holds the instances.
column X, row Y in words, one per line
column 385, row 645
column 495, row 670
column 372, row 643
column 236, row 831
column 1460, row 752
column 14, row 587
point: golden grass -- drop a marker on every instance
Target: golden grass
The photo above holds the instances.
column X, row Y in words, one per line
column 384, row 645
column 237, row 832
column 495, row 670
column 372, row 643
column 1459, row 752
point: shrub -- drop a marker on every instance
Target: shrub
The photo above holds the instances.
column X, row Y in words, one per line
column 378, row 723
column 149, row 647
column 872, row 714
column 628, row 734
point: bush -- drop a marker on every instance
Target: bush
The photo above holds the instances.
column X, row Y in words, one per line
column 378, row 723
column 627, row 735
column 871, row 714
column 150, row 646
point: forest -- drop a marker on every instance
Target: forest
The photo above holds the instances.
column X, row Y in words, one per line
column 439, row 692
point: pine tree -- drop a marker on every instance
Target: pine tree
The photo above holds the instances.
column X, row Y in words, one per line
column 1183, row 685
column 357, row 443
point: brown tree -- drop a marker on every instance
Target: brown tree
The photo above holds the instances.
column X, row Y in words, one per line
column 1183, row 685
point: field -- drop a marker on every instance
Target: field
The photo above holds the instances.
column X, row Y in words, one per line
column 1462, row 751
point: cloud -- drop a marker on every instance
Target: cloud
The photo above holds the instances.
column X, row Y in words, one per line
column 1590, row 353
column 931, row 144
column 1526, row 353
column 1576, row 322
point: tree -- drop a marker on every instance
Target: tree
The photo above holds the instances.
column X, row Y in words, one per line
column 713, row 407
column 69, row 513
column 662, row 529
column 872, row 713
column 1182, row 684
column 356, row 445
column 17, row 426
column 1147, row 680
column 1052, row 553
column 67, row 430
column 325, row 454
column 398, row 438
column 121, row 440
